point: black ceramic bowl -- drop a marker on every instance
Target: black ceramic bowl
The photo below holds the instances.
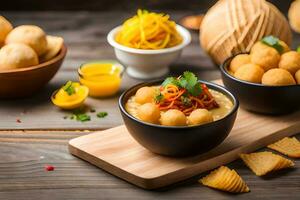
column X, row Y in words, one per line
column 174, row 140
column 260, row 98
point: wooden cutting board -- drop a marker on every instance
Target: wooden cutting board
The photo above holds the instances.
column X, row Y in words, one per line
column 116, row 152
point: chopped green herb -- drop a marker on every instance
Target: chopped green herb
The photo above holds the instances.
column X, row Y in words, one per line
column 170, row 80
column 92, row 110
column 83, row 117
column 298, row 49
column 69, row 88
column 158, row 98
column 65, row 117
column 186, row 101
column 273, row 42
column 80, row 115
column 102, row 114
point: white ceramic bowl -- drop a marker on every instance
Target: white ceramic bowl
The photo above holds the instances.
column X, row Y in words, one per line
column 147, row 64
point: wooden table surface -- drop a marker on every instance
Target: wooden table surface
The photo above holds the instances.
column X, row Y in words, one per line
column 25, row 149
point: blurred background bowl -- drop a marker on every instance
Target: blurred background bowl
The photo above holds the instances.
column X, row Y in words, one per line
column 261, row 98
column 147, row 64
column 25, row 82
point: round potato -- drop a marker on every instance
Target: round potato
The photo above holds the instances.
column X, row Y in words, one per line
column 266, row 57
column 31, row 35
column 173, row 117
column 200, row 116
column 297, row 76
column 238, row 61
column 5, row 28
column 149, row 112
column 14, row 56
column 294, row 16
column 290, row 61
column 145, row 95
column 278, row 77
column 250, row 72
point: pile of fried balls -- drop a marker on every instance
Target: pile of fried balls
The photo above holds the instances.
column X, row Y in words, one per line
column 268, row 66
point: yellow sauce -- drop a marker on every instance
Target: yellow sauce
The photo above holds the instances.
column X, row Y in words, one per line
column 103, row 78
column 225, row 105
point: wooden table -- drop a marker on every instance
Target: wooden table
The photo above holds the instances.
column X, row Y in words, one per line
column 25, row 148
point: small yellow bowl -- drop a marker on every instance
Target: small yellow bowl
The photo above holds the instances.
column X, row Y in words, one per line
column 83, row 92
column 103, row 77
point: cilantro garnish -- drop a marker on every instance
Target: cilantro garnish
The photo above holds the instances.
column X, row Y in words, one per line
column 188, row 81
column 273, row 42
column 158, row 98
column 298, row 49
column 102, row 114
column 82, row 117
column 69, row 88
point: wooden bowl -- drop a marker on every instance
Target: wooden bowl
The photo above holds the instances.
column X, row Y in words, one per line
column 25, row 82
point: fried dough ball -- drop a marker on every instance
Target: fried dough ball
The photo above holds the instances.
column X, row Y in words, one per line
column 31, row 35
column 14, row 56
column 290, row 61
column 250, row 72
column 5, row 28
column 238, row 61
column 278, row 77
column 149, row 112
column 258, row 46
column 294, row 16
column 265, row 56
column 173, row 117
column 200, row 116
column 297, row 76
column 145, row 95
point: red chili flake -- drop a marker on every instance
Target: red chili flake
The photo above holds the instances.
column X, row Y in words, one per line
column 18, row 121
column 49, row 168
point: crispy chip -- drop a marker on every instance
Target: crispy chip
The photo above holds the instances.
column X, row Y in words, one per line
column 54, row 46
column 262, row 163
column 225, row 179
column 287, row 146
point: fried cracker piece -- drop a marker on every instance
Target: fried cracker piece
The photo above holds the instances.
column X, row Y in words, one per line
column 225, row 179
column 287, row 146
column 262, row 163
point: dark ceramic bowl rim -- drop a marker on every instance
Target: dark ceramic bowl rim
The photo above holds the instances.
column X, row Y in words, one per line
column 222, row 89
column 224, row 70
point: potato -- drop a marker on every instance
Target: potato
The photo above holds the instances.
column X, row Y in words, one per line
column 149, row 112
column 290, row 61
column 31, row 35
column 250, row 72
column 266, row 57
column 145, row 95
column 173, row 117
column 297, row 76
column 200, row 116
column 278, row 77
column 14, row 56
column 238, row 61
column 5, row 28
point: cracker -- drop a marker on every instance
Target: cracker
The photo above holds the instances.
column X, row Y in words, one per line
column 287, row 146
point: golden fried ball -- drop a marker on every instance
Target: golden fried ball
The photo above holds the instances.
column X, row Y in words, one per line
column 286, row 48
column 290, row 61
column 173, row 117
column 250, row 72
column 265, row 56
column 14, row 56
column 149, row 112
column 258, row 46
column 238, row 61
column 297, row 76
column 294, row 16
column 31, row 35
column 145, row 95
column 278, row 77
column 200, row 116
column 5, row 28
